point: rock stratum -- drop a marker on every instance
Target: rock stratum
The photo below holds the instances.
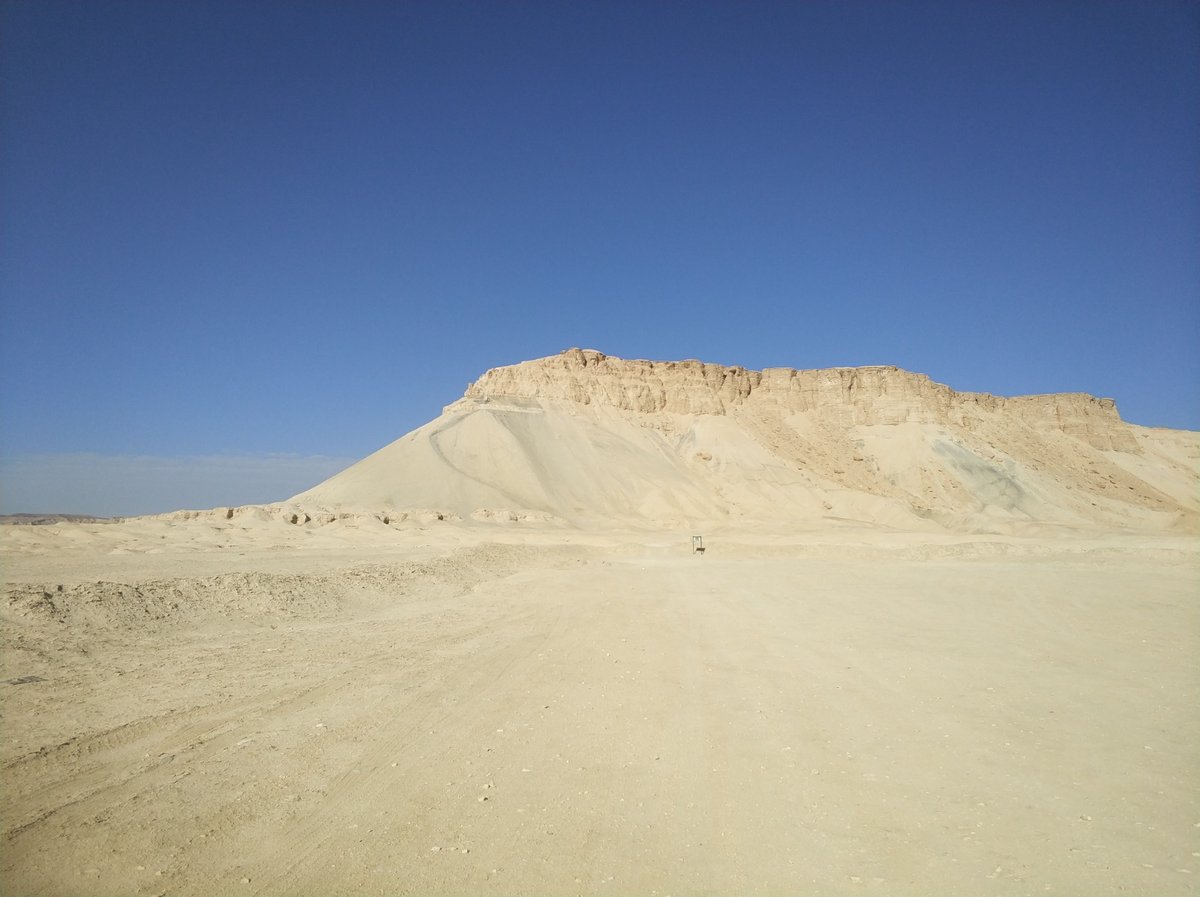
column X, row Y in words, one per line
column 586, row 438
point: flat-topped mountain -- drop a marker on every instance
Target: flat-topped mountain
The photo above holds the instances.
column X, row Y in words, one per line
column 861, row 395
column 590, row 438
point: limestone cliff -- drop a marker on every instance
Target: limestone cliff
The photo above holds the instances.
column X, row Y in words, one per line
column 591, row 439
column 859, row 395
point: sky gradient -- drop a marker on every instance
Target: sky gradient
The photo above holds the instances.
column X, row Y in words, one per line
column 297, row 230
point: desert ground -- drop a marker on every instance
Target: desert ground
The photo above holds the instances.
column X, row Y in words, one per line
column 240, row 705
column 939, row 643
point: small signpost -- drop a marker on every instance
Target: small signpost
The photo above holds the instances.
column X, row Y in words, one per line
column 697, row 545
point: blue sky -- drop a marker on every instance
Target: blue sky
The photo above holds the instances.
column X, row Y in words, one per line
column 237, row 232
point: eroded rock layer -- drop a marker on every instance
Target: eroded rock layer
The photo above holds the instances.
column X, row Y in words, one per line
column 590, row 439
column 880, row 394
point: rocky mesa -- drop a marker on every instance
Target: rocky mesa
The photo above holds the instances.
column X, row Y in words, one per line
column 856, row 395
column 589, row 438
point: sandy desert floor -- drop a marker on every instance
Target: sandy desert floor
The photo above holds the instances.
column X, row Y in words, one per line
column 554, row 714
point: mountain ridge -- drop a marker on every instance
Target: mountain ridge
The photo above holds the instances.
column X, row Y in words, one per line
column 875, row 393
column 592, row 439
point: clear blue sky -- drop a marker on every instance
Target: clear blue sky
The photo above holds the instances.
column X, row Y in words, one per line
column 248, row 229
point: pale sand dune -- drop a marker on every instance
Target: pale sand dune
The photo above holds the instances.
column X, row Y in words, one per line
column 924, row 688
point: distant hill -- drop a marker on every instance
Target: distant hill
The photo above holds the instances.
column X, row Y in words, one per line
column 591, row 439
column 46, row 519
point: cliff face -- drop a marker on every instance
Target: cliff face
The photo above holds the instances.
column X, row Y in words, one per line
column 855, row 396
column 590, row 439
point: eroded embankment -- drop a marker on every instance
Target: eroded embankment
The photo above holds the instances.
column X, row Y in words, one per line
column 133, row 607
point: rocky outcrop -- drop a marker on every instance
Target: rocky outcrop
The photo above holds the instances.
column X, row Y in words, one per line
column 588, row 440
column 861, row 395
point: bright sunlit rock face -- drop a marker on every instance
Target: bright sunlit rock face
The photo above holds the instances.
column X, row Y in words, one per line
column 585, row 437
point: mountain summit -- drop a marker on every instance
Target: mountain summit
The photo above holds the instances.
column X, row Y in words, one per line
column 592, row 439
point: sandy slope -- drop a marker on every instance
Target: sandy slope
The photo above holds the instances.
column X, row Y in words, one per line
column 463, row 709
column 601, row 441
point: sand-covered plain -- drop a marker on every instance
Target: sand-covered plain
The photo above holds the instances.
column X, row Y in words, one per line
column 245, row 706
